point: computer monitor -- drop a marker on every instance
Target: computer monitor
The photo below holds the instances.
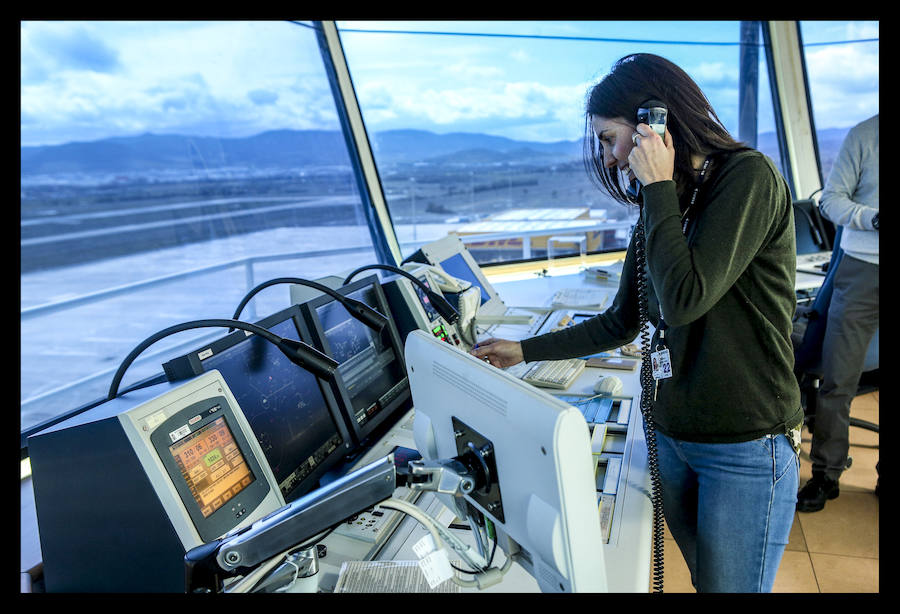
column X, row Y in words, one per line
column 370, row 383
column 542, row 495
column 124, row 490
column 452, row 255
column 293, row 414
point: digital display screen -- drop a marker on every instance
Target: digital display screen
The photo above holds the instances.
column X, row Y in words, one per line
column 456, row 266
column 283, row 404
column 212, row 465
column 369, row 367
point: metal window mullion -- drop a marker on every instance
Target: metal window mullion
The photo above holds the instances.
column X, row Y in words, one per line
column 793, row 117
column 809, row 103
column 384, row 237
column 748, row 86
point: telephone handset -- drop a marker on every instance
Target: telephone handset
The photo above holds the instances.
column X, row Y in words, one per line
column 464, row 296
column 445, row 282
column 654, row 113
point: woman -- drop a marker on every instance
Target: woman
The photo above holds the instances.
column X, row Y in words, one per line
column 720, row 255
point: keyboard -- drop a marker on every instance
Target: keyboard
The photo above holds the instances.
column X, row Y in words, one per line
column 557, row 374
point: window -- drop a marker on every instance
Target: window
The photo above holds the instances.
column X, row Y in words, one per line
column 167, row 168
column 477, row 127
column 842, row 71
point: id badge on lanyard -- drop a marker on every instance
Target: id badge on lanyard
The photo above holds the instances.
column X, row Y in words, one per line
column 660, row 360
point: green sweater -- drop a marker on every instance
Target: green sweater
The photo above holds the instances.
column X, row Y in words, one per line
column 726, row 291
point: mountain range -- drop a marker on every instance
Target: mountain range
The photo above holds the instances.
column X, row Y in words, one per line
column 318, row 148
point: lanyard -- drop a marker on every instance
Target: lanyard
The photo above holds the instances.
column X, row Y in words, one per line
column 697, row 184
column 661, row 343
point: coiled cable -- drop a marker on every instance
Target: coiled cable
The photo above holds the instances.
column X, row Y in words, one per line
column 648, row 388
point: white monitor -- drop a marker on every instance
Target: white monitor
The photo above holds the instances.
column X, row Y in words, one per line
column 544, row 497
column 452, row 255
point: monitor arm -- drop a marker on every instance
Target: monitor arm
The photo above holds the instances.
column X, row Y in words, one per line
column 238, row 552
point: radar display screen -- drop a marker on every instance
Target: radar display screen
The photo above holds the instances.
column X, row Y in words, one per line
column 285, row 406
column 372, row 371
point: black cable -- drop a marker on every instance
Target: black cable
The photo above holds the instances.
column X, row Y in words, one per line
column 443, row 307
column 311, row 358
column 489, row 563
column 159, row 379
column 648, row 386
column 362, row 312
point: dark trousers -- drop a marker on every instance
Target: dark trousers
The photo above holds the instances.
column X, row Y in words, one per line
column 852, row 323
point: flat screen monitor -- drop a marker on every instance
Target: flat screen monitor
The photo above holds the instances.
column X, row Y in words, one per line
column 452, row 255
column 293, row 414
column 370, row 382
column 541, row 492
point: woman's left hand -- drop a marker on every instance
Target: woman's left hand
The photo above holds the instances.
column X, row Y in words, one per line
column 651, row 159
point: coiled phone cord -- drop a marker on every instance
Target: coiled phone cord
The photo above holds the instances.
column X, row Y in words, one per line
column 648, row 386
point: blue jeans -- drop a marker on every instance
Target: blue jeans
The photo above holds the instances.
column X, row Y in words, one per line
column 730, row 507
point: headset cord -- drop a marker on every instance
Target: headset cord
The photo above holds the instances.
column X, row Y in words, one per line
column 648, row 393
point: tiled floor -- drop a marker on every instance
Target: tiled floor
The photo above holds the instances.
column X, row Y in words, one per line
column 834, row 550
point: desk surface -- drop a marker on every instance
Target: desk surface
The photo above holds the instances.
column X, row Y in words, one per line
column 628, row 553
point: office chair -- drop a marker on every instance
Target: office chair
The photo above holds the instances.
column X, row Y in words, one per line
column 808, row 336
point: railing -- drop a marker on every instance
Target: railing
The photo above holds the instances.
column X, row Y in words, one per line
column 248, row 264
column 94, row 297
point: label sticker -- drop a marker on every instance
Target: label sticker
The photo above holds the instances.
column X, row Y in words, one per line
column 179, row 433
column 154, row 420
column 424, row 546
column 436, row 567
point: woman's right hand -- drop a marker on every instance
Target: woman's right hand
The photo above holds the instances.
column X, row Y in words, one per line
column 499, row 352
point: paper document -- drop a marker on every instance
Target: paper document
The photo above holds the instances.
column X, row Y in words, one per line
column 387, row 577
column 578, row 298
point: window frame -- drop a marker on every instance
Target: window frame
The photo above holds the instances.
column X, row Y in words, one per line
column 781, row 43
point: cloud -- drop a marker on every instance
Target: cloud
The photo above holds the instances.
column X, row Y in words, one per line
column 850, row 67
column 262, row 97
column 494, row 106
column 715, row 74
column 187, row 75
column 466, row 71
column 48, row 51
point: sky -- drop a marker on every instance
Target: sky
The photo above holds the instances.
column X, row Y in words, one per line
column 83, row 81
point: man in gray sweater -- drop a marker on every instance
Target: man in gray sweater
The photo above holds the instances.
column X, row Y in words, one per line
column 850, row 200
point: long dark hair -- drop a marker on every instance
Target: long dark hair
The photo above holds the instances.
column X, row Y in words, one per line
column 694, row 125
